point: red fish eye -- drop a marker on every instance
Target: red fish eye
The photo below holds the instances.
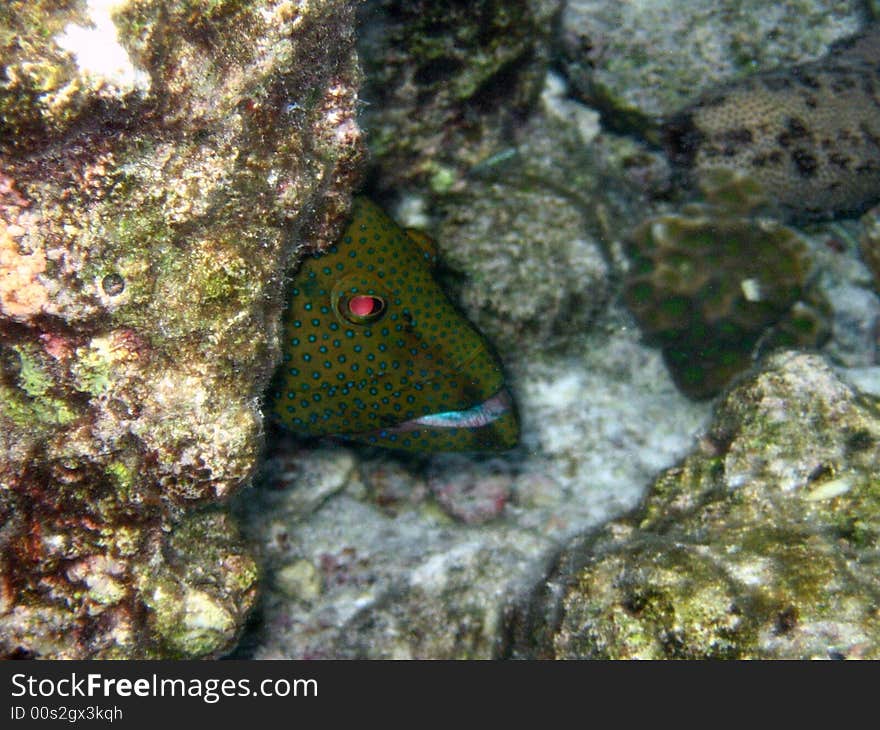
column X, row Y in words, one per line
column 363, row 308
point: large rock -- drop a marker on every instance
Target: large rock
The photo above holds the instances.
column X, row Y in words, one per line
column 760, row 544
column 159, row 163
column 448, row 81
column 638, row 61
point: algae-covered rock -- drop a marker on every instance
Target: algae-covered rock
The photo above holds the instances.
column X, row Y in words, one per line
column 641, row 61
column 143, row 591
column 446, row 81
column 710, row 281
column 534, row 233
column 536, row 274
column 161, row 162
column 759, row 544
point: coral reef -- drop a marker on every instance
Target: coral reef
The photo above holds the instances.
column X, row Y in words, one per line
column 160, row 160
column 759, row 545
column 446, row 81
column 639, row 62
column 371, row 553
column 809, row 135
column 381, row 554
column 377, row 554
column 708, row 281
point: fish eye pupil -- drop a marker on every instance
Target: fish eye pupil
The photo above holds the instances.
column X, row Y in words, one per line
column 365, row 306
column 362, row 306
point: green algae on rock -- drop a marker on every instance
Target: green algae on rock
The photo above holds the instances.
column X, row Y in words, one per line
column 758, row 545
column 447, row 80
column 160, row 161
column 809, row 135
column 62, row 61
column 708, row 283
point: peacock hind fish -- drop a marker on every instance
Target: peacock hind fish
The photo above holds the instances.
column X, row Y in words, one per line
column 374, row 351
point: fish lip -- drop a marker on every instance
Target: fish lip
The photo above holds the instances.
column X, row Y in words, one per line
column 477, row 416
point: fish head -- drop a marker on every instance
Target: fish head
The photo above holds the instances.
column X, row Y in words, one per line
column 375, row 352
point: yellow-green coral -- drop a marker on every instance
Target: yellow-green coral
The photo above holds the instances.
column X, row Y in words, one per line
column 32, row 399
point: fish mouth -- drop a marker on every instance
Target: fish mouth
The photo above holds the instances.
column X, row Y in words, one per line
column 474, row 417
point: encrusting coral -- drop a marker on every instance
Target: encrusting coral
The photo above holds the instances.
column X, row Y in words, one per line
column 708, row 283
column 161, row 162
column 759, row 544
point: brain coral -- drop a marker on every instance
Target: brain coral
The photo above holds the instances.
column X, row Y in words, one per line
column 809, row 135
